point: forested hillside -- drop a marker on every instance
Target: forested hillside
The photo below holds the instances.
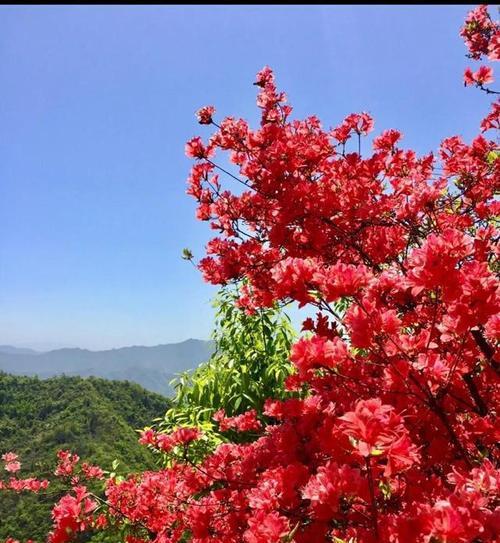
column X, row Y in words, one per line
column 93, row 417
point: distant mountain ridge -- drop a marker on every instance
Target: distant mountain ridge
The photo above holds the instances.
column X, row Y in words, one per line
column 16, row 350
column 150, row 367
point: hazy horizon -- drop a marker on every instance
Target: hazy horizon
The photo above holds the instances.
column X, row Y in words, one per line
column 45, row 347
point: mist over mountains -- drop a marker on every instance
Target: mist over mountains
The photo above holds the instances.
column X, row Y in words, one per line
column 150, row 367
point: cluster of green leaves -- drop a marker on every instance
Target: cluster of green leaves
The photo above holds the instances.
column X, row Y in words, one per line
column 93, row 417
column 250, row 364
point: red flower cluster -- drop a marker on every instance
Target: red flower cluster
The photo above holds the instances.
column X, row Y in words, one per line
column 166, row 442
column 30, row 484
column 357, row 123
column 377, row 431
column 318, row 352
column 71, row 515
column 205, row 114
column 396, row 253
column 483, row 76
column 67, row 462
column 92, row 472
column 246, row 422
column 12, row 463
column 482, row 37
column 481, row 34
column 492, row 120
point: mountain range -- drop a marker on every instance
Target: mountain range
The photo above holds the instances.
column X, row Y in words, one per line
column 151, row 367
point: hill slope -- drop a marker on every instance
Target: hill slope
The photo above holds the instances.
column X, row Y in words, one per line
column 93, row 417
column 151, row 367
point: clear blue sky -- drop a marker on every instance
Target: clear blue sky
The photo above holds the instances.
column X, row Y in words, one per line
column 97, row 102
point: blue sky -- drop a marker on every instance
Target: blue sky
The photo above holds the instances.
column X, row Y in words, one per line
column 97, row 102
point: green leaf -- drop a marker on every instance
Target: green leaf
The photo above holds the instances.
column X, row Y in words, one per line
column 187, row 254
column 492, row 156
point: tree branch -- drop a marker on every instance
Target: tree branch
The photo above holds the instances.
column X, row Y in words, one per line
column 487, row 350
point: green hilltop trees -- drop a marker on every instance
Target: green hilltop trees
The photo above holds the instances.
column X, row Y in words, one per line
column 95, row 418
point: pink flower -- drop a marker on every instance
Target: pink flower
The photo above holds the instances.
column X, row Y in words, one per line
column 494, row 47
column 376, row 430
column 469, row 77
column 13, row 467
column 67, row 463
column 245, row 422
column 318, row 352
column 148, row 437
column 204, row 115
column 492, row 120
column 196, row 149
column 266, row 528
column 483, row 76
column 92, row 472
column 9, row 457
column 184, row 436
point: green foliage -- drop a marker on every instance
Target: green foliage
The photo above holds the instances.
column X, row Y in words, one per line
column 187, row 254
column 93, row 417
column 250, row 364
